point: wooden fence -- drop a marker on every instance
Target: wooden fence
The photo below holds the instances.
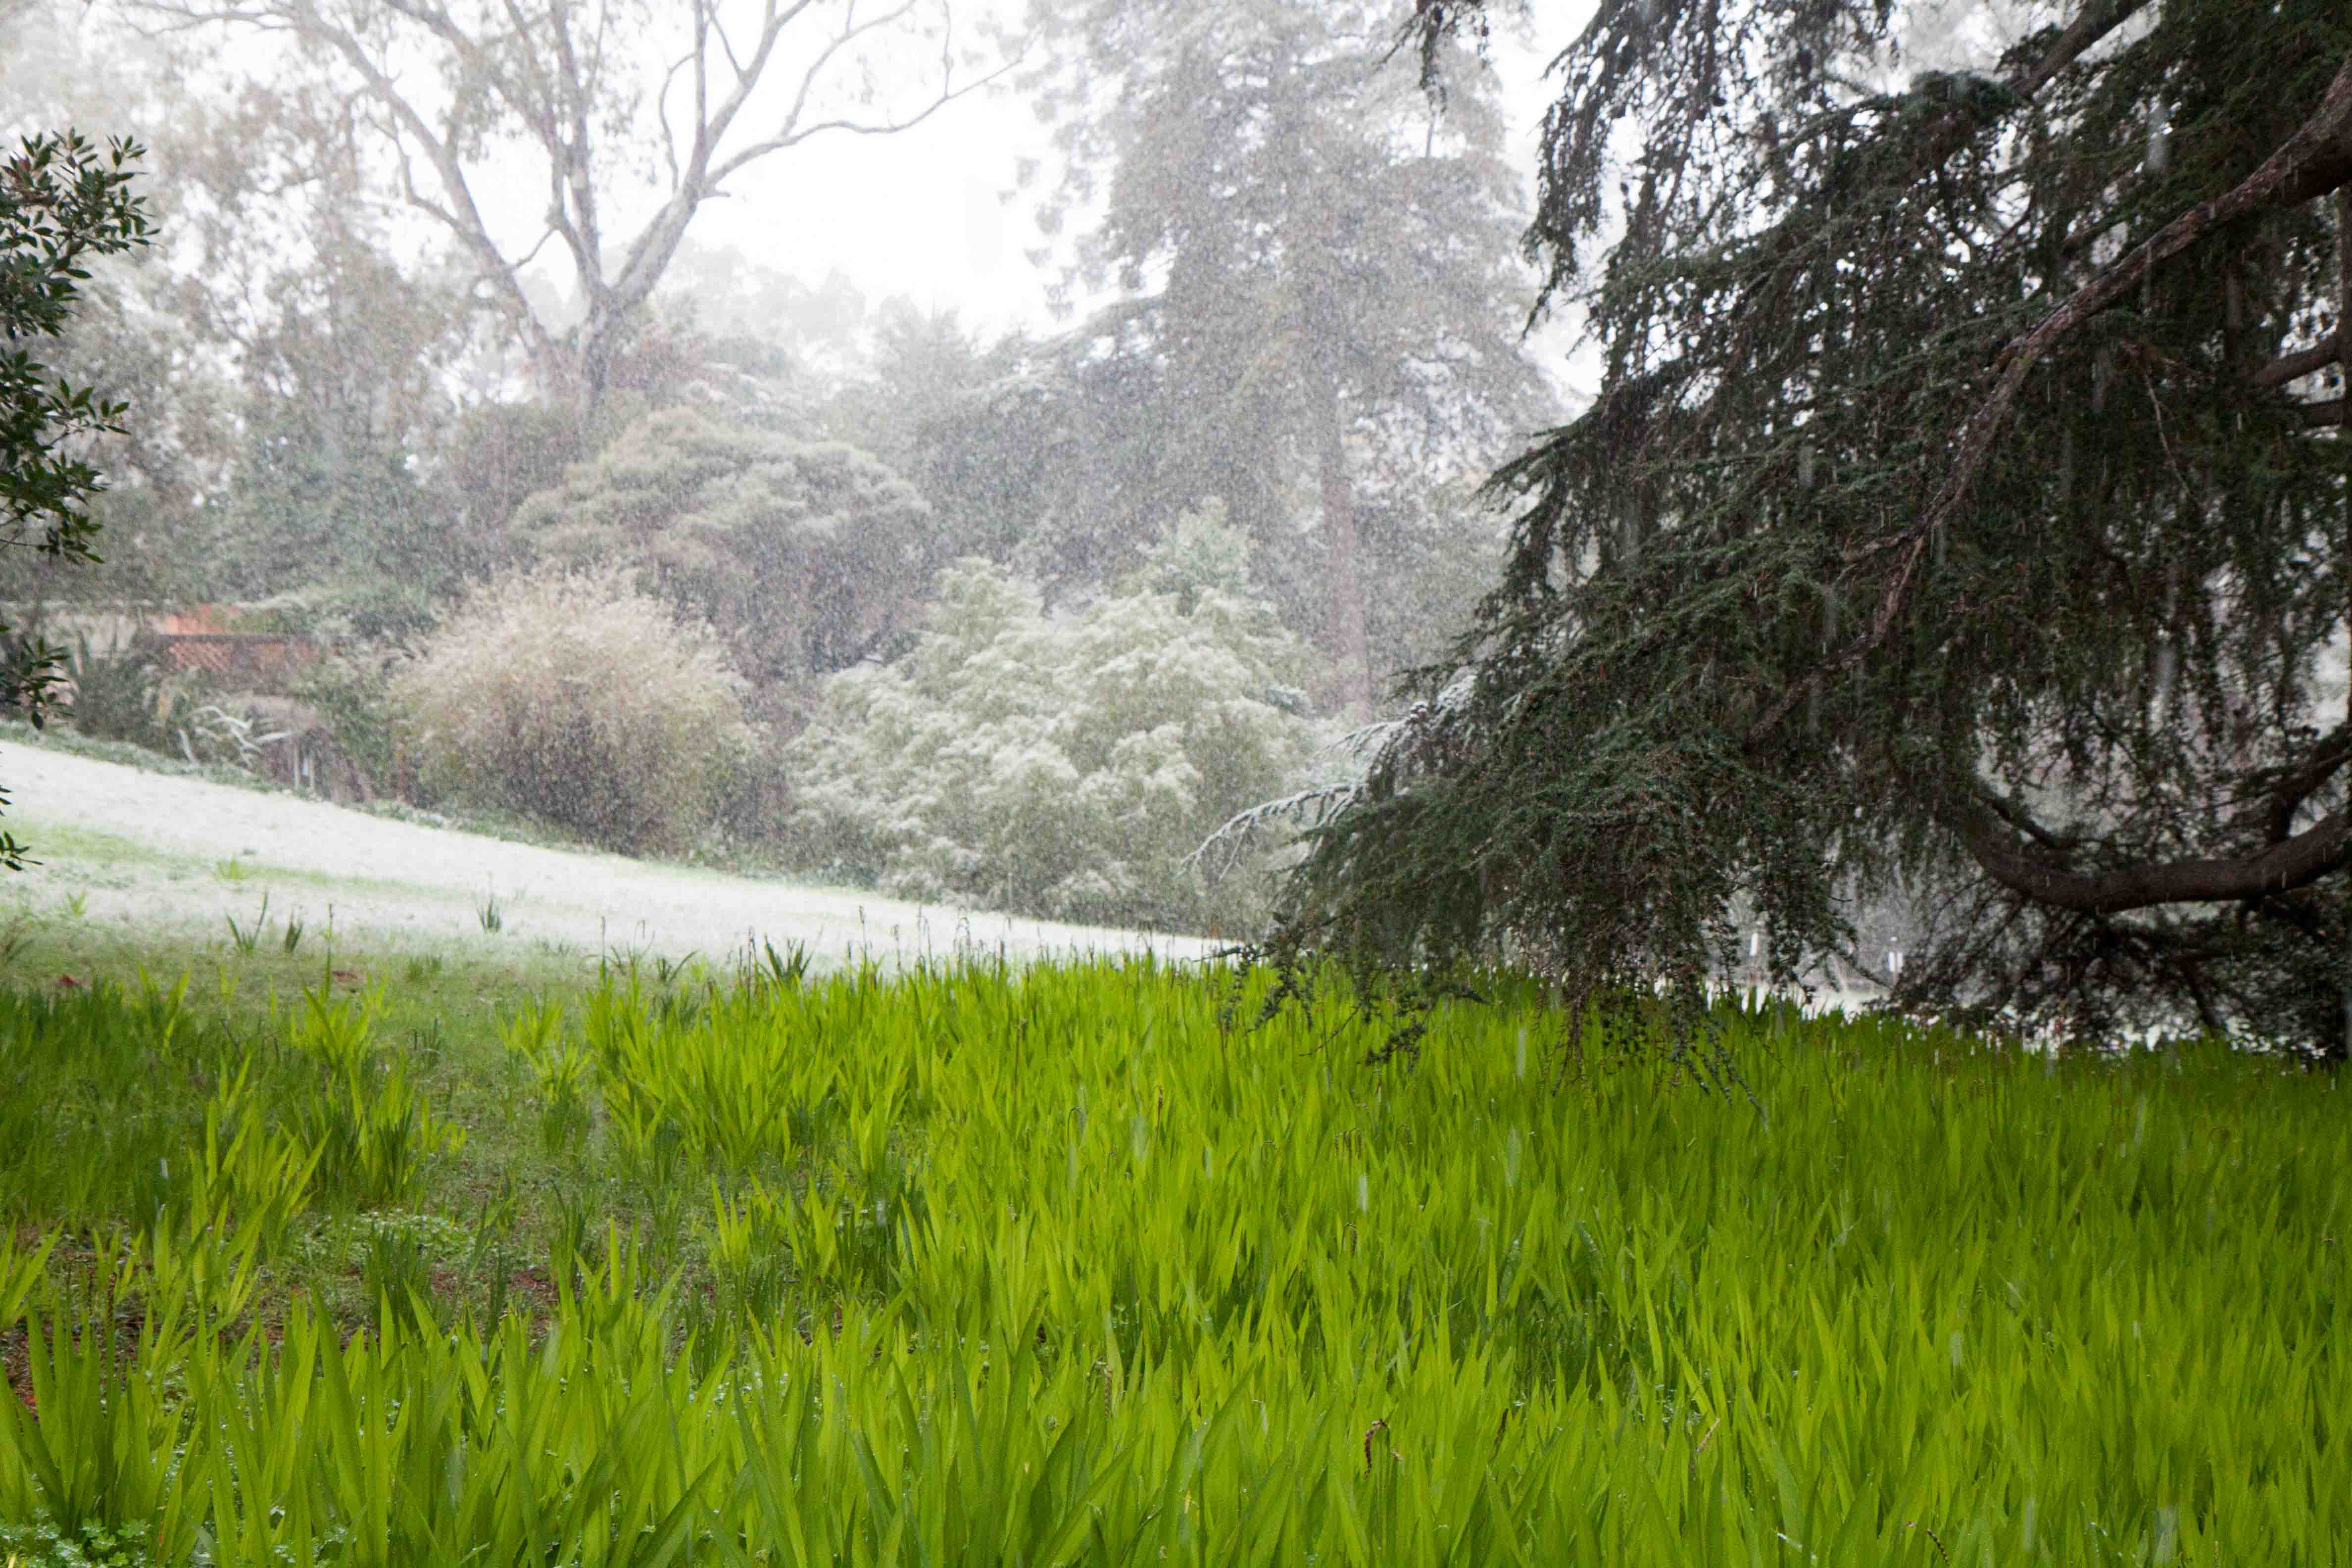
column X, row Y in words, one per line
column 239, row 656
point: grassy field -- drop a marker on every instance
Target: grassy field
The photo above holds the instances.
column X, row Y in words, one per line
column 1093, row 1265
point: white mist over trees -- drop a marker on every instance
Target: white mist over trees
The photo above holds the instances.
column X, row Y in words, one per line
column 1316, row 262
column 432, row 367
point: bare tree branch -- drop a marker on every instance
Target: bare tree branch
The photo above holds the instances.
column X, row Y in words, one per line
column 883, row 127
column 546, row 76
column 661, row 111
column 849, row 34
column 2287, row 792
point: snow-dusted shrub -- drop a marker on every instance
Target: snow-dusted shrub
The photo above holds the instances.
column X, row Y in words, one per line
column 1062, row 766
column 577, row 698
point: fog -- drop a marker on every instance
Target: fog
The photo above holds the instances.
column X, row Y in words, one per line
column 966, row 453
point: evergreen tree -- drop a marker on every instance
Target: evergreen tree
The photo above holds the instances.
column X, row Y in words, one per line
column 61, row 203
column 806, row 558
column 1318, row 274
column 1962, row 516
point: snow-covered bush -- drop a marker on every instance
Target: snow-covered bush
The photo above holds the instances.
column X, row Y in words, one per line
column 575, row 698
column 1063, row 766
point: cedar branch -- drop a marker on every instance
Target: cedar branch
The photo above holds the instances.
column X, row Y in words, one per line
column 2314, row 161
column 2297, row 862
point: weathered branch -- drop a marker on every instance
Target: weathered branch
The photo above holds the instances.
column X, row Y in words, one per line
column 460, row 216
column 2297, row 862
column 2018, row 817
column 2290, row 789
column 2297, row 366
column 2093, row 23
column 567, row 143
column 2344, row 300
column 649, row 254
column 2344, row 353
column 2316, row 159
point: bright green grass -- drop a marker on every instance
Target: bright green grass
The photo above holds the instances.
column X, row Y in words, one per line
column 1048, row 1268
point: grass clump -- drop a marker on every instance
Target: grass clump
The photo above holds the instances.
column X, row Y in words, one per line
column 1061, row 1266
column 574, row 699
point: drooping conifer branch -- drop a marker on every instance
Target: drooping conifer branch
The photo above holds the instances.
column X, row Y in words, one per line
column 1968, row 419
column 2297, row 862
column 2313, row 161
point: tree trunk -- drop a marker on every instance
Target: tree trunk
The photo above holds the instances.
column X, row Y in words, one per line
column 1343, row 596
column 2343, row 1051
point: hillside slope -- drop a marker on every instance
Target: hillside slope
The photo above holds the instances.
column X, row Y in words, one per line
column 163, row 852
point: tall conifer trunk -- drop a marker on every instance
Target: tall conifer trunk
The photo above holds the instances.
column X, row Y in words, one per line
column 2343, row 1051
column 1343, row 596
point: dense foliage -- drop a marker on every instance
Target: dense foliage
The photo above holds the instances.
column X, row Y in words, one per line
column 1064, row 764
column 1074, row 1266
column 804, row 556
column 61, row 203
column 1961, row 518
column 575, row 697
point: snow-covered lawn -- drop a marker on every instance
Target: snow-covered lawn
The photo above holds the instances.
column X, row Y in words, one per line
column 155, row 850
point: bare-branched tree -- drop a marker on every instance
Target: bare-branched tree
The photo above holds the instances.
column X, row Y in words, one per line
column 628, row 114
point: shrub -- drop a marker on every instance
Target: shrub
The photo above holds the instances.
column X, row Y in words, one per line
column 121, row 691
column 352, row 692
column 576, row 698
column 806, row 557
column 1062, row 766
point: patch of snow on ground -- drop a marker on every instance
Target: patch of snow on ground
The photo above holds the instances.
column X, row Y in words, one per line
column 405, row 884
column 146, row 849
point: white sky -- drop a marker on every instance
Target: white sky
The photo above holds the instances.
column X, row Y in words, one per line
column 934, row 214
column 930, row 213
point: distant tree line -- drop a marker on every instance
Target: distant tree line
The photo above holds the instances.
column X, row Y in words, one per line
column 1301, row 319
